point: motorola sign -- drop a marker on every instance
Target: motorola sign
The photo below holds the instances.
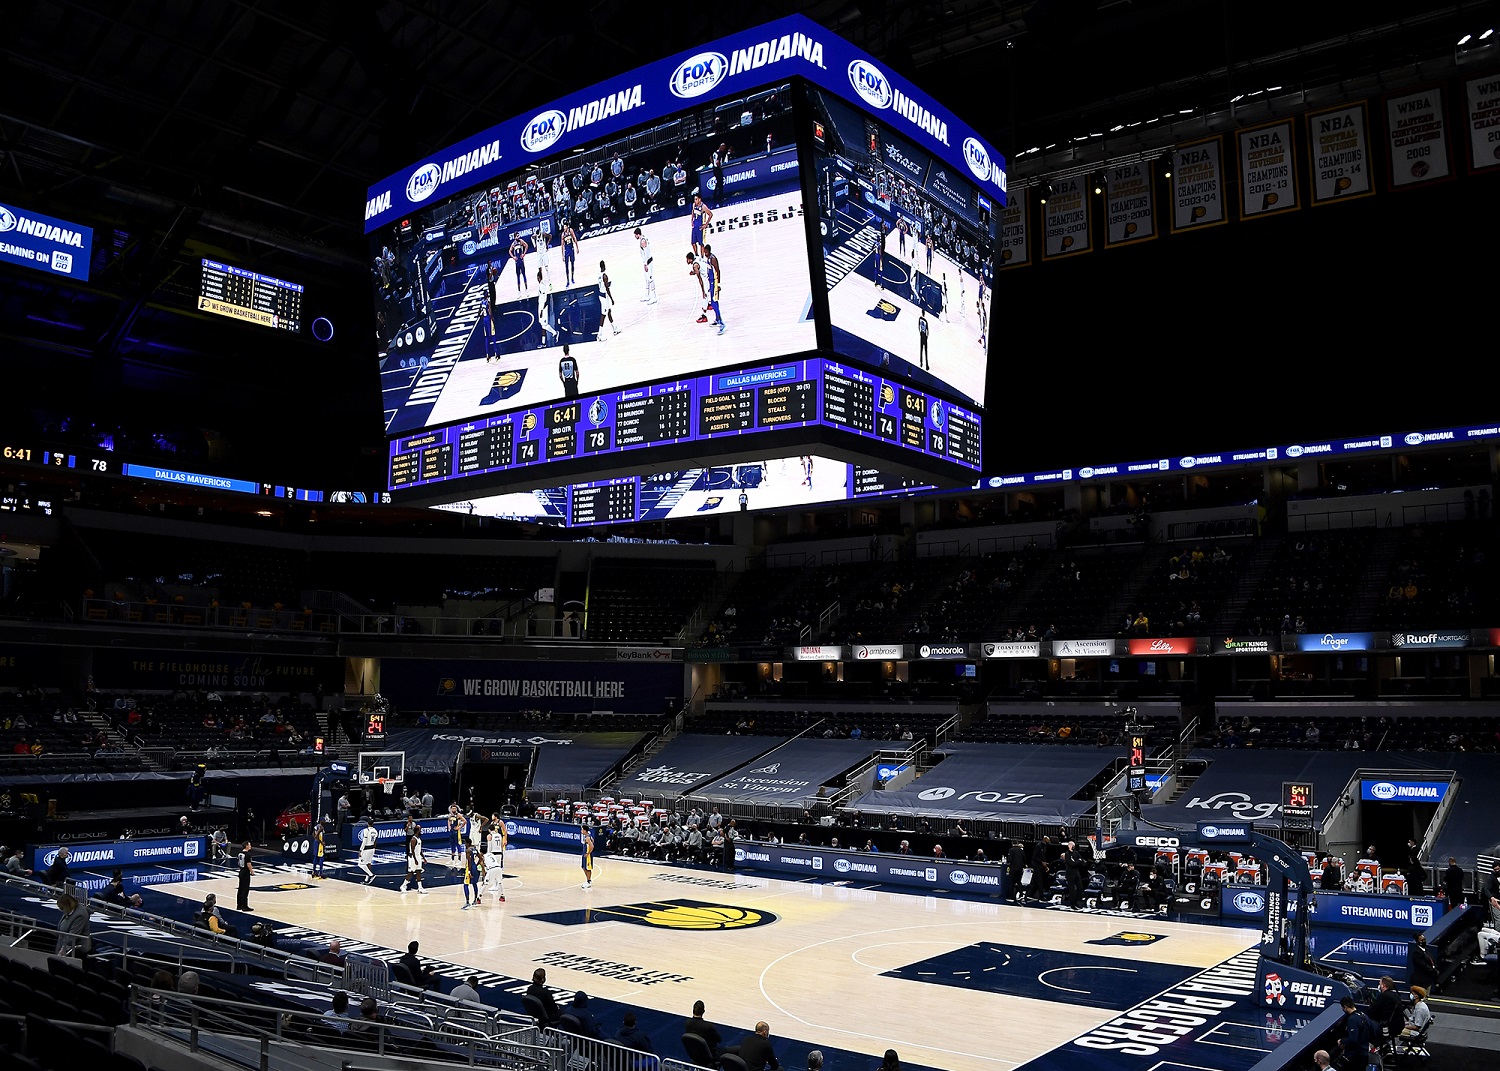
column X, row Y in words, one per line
column 930, row 794
column 944, row 650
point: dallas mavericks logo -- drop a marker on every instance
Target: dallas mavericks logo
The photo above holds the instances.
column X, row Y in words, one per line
column 977, row 159
column 936, row 413
column 543, row 130
column 8, row 223
column 870, row 82
column 698, row 74
column 598, row 411
column 423, row 182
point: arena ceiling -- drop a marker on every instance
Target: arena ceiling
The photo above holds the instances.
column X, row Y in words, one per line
column 252, row 128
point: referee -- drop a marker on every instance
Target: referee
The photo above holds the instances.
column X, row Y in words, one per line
column 246, row 869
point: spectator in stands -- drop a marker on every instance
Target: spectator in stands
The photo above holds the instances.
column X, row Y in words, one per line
column 579, row 1009
column 539, row 990
column 1416, row 880
column 1386, row 1008
column 1320, row 1059
column 704, row 1029
column 1453, row 884
column 56, row 874
column 891, row 1062
column 187, row 985
column 420, row 973
column 334, row 953
column 15, row 864
column 367, row 1023
column 755, row 1049
column 1419, row 1014
column 815, row 1060
column 73, row 927
column 468, row 989
column 337, row 1017
column 632, row 1037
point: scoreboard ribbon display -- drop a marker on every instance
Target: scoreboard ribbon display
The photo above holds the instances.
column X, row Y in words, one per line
column 705, row 408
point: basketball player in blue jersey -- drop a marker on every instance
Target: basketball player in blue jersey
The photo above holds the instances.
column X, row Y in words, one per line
column 901, row 229
column 518, row 258
column 487, row 327
column 885, row 230
column 455, row 830
column 471, row 877
column 702, row 217
column 587, row 858
column 927, row 242
column 570, row 253
column 715, row 285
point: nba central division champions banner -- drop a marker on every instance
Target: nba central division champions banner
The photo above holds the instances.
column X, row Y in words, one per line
column 1339, row 150
column 1129, row 204
column 1268, row 170
column 1065, row 218
column 1198, row 184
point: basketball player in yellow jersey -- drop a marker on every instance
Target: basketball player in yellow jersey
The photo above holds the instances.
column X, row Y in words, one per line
column 588, row 858
column 471, row 877
column 318, row 852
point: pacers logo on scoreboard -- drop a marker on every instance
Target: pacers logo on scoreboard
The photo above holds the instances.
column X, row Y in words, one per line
column 884, row 310
column 667, row 915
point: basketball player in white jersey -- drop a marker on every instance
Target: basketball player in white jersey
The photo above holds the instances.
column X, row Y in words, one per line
column 544, row 306
column 494, row 863
column 367, row 839
column 945, row 297
column 606, row 302
column 646, row 261
column 543, row 242
column 696, row 271
column 414, row 864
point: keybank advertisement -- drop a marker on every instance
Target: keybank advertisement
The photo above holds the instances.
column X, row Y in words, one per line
column 121, row 853
column 1352, row 910
column 833, row 865
column 54, row 246
column 791, row 46
column 440, row 684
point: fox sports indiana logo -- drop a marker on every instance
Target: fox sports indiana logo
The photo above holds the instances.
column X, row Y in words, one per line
column 977, row 159
column 7, row 219
column 696, row 75
column 870, row 82
column 543, row 130
column 423, row 182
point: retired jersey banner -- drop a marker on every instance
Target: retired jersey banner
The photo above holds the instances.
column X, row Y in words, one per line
column 1129, row 204
column 1418, row 138
column 1198, row 185
column 1482, row 118
column 1338, row 144
column 1015, row 229
column 1268, row 170
column 1065, row 218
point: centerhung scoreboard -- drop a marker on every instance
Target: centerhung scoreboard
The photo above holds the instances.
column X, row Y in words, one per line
column 769, row 247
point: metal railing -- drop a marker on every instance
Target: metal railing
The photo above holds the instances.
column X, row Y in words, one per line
column 254, row 1035
column 599, row 1055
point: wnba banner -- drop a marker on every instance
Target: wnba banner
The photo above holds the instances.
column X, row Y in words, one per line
column 1015, row 235
column 1482, row 117
column 1268, row 172
column 1129, row 206
column 1418, row 138
column 1339, row 145
column 1197, row 184
column 1065, row 218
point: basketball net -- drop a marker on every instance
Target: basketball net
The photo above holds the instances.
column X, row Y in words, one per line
column 388, row 786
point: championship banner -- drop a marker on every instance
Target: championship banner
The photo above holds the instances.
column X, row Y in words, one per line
column 1129, row 205
column 1418, row 138
column 1482, row 117
column 1065, row 219
column 1268, row 169
column 1015, row 233
column 1198, row 185
column 1338, row 144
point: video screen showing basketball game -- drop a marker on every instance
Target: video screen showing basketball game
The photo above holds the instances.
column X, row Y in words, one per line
column 663, row 252
column 908, row 252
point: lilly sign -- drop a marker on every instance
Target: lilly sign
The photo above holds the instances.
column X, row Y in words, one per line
column 1403, row 791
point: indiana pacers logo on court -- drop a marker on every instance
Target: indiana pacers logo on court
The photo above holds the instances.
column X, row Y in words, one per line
column 667, row 915
column 1127, row 937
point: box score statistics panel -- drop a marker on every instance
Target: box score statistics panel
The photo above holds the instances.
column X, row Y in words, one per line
column 249, row 296
column 712, row 407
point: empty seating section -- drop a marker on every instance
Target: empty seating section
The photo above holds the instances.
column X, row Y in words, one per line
column 895, row 604
column 977, row 594
column 1357, row 727
column 1056, row 723
column 138, row 567
column 1310, row 583
column 638, row 601
column 1188, row 587
column 887, row 721
column 1079, row 593
column 389, row 580
column 776, row 606
column 243, row 731
column 1440, row 573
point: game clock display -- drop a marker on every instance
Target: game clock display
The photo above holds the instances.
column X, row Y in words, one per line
column 711, row 408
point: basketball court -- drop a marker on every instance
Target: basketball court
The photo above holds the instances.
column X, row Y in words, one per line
column 962, row 984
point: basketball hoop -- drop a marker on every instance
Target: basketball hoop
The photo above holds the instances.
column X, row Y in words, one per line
column 388, row 786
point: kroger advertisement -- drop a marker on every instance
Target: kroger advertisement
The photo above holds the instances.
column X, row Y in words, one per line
column 55, row 246
column 440, row 684
column 735, row 65
column 833, row 865
column 121, row 853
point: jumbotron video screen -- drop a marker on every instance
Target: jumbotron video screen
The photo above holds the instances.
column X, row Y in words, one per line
column 768, row 247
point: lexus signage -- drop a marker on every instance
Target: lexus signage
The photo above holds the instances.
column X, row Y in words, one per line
column 1163, row 645
column 955, row 651
column 824, row 653
column 1013, row 650
column 1082, row 648
column 878, row 652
